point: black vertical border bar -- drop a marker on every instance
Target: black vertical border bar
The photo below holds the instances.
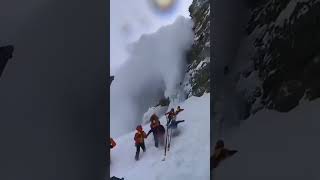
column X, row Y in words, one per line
column 107, row 12
column 212, row 60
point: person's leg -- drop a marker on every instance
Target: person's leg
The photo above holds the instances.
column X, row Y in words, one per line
column 137, row 152
column 156, row 142
column 169, row 122
column 173, row 124
column 180, row 121
column 161, row 139
column 143, row 146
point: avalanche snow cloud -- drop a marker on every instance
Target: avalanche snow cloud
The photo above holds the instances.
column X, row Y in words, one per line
column 154, row 70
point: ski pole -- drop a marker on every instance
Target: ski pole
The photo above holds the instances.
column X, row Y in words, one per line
column 165, row 147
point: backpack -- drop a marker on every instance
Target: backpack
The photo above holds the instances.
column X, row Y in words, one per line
column 161, row 129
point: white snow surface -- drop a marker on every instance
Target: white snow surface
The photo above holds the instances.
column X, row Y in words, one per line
column 188, row 158
column 277, row 146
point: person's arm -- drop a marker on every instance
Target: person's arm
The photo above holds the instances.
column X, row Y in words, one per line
column 232, row 152
column 135, row 137
column 149, row 132
column 144, row 135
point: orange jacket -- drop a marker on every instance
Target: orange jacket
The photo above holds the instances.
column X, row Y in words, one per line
column 112, row 143
column 140, row 136
column 178, row 111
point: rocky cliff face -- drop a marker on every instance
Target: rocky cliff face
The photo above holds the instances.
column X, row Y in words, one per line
column 286, row 41
column 197, row 79
column 277, row 63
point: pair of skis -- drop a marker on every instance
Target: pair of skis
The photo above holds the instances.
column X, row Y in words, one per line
column 168, row 140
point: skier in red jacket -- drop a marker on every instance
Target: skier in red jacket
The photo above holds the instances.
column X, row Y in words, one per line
column 139, row 140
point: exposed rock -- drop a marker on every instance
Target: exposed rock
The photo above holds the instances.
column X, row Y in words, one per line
column 287, row 49
column 197, row 79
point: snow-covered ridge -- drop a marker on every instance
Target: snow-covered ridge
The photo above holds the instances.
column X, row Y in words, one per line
column 188, row 158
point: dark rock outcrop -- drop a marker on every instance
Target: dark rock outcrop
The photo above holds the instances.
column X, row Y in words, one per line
column 287, row 51
column 197, row 79
column 277, row 63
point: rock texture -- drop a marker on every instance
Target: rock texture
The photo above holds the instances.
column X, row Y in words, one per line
column 286, row 37
column 278, row 62
column 197, row 79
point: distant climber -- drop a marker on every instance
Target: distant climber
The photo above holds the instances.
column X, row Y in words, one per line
column 171, row 115
column 112, row 143
column 157, row 129
column 179, row 110
column 139, row 140
column 220, row 154
column 172, row 122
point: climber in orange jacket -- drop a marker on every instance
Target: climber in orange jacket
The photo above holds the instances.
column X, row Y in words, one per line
column 173, row 123
column 179, row 110
column 139, row 140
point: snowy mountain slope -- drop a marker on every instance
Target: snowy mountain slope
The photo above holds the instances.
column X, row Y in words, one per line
column 274, row 145
column 188, row 158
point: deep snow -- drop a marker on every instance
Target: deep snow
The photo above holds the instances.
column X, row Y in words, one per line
column 189, row 154
column 277, row 146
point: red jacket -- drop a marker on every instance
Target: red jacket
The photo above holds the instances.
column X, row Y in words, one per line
column 171, row 114
column 139, row 137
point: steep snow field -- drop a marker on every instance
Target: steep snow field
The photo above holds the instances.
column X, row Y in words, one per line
column 277, row 146
column 189, row 154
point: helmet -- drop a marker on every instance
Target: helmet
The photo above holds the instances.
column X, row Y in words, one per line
column 139, row 128
column 172, row 109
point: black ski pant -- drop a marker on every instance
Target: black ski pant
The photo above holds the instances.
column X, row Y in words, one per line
column 156, row 139
column 138, row 146
column 174, row 124
column 161, row 139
